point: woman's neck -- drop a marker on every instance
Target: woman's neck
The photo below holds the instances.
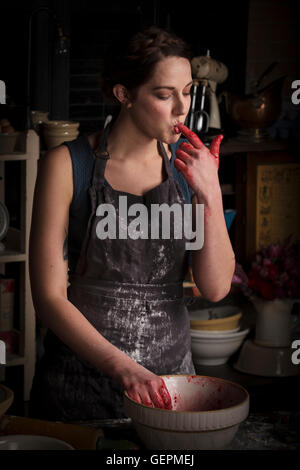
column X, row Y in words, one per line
column 126, row 142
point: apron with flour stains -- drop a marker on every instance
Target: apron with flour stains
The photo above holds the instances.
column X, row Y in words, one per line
column 131, row 291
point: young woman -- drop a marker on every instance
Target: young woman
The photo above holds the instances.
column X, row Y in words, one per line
column 121, row 322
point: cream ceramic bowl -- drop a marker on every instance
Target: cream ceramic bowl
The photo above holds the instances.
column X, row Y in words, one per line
column 216, row 318
column 206, row 413
column 210, row 333
column 215, row 349
column 57, row 132
column 31, row 442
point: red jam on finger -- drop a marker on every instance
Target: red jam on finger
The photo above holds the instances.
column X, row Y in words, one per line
column 166, row 397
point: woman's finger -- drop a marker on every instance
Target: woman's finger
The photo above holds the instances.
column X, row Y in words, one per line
column 164, row 392
column 188, row 148
column 134, row 395
column 156, row 399
column 191, row 136
column 183, row 156
column 215, row 147
column 140, row 395
column 180, row 165
column 145, row 398
column 185, row 145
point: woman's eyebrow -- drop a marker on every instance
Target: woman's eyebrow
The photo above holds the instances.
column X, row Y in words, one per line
column 170, row 87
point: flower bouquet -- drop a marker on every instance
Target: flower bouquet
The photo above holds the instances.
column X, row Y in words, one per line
column 272, row 285
column 274, row 273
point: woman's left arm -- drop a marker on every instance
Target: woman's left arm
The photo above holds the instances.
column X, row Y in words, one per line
column 213, row 265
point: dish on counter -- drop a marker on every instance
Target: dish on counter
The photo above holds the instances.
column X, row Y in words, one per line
column 222, row 318
column 215, row 349
column 32, row 442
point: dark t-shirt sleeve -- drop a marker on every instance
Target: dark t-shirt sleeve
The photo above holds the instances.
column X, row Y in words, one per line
column 178, row 176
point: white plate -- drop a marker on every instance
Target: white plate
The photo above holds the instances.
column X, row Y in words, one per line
column 196, row 334
column 213, row 332
column 214, row 313
column 266, row 361
column 31, row 442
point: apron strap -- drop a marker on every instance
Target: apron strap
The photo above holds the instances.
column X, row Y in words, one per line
column 166, row 161
column 102, row 156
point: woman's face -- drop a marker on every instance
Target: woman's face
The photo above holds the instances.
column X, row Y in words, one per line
column 164, row 100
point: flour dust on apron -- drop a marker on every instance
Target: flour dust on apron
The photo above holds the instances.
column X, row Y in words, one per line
column 131, row 291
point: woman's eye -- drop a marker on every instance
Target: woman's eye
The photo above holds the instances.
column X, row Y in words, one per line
column 163, row 97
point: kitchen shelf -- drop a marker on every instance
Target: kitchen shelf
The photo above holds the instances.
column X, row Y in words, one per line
column 10, row 256
column 15, row 360
column 16, row 248
column 13, row 156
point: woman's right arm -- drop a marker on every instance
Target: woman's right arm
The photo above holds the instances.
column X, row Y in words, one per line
column 49, row 279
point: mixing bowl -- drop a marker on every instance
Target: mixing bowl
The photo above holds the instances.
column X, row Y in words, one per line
column 215, row 348
column 215, row 318
column 206, row 413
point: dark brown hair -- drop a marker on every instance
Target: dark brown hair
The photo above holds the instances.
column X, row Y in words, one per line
column 133, row 64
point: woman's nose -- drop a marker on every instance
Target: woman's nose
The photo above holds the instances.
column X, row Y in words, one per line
column 181, row 106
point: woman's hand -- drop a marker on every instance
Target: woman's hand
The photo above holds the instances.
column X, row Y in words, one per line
column 145, row 387
column 198, row 164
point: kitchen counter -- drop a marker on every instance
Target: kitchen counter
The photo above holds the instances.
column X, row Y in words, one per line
column 273, row 422
column 260, row 431
column 267, row 394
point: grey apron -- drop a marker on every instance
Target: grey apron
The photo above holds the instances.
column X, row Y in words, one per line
column 131, row 292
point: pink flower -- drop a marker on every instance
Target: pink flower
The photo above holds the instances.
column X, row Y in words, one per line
column 274, row 272
column 267, row 262
column 293, row 289
column 274, row 251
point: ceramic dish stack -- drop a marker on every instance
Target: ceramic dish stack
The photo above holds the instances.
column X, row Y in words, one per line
column 216, row 334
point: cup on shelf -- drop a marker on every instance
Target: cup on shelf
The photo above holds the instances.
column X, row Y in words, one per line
column 37, row 119
column 57, row 132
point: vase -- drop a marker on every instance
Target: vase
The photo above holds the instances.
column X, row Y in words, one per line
column 274, row 322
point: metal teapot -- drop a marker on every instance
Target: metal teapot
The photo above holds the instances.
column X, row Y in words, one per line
column 254, row 112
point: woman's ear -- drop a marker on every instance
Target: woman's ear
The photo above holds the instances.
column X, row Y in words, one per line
column 122, row 95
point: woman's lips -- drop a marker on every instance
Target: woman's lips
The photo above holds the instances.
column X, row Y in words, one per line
column 176, row 130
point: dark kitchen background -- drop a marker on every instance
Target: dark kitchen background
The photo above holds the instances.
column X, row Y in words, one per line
column 62, row 78
column 247, row 36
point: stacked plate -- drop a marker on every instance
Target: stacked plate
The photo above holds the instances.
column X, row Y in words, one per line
column 216, row 334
